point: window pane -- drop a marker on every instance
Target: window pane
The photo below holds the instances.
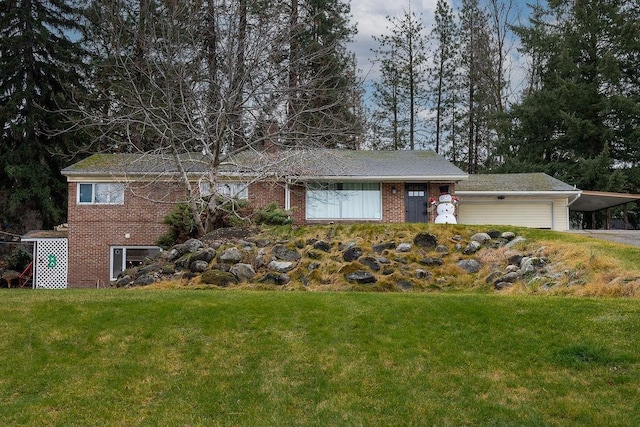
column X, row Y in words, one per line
column 85, row 193
column 111, row 193
column 233, row 189
column 344, row 201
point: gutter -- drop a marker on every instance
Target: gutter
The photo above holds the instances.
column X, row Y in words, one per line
column 574, row 199
column 518, row 193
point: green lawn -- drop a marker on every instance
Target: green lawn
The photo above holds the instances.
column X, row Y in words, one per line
column 141, row 357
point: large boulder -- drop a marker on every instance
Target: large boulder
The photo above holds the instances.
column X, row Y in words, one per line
column 361, row 277
column 283, row 253
column 281, row 266
column 469, row 265
column 352, row 253
column 218, row 278
column 425, row 240
column 243, row 272
column 231, row 255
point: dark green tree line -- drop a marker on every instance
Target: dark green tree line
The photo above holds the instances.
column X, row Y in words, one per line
column 579, row 118
column 41, row 72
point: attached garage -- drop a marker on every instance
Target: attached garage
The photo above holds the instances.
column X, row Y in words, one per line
column 525, row 214
column 534, row 200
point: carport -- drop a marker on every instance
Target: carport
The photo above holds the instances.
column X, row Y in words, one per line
column 592, row 202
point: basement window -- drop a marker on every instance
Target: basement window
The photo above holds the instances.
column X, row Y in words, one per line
column 123, row 257
column 101, row 193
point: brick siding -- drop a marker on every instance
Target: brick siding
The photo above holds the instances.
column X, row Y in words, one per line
column 93, row 229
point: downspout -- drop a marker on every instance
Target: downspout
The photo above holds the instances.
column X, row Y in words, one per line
column 569, row 204
column 287, row 196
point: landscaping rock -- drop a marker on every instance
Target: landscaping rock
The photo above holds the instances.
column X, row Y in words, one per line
column 472, row 248
column 192, row 245
column 381, row 247
column 144, row 280
column 508, row 235
column 431, row 261
column 425, row 240
column 405, row 285
column 206, row 255
column 502, row 285
column 494, row 234
column 231, row 255
column 275, row 279
column 281, row 266
column 481, row 238
column 442, row 249
column 198, row 266
column 469, row 265
column 283, row 253
column 403, row 247
column 361, row 277
column 515, row 241
column 218, row 278
column 242, row 272
column 370, row 262
column 422, row 274
column 321, row 245
column 123, row 281
column 352, row 253
column 509, row 277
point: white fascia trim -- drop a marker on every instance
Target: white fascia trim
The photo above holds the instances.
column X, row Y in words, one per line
column 518, row 193
column 347, row 178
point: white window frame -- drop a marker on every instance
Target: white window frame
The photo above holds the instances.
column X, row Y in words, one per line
column 231, row 189
column 335, row 197
column 114, row 195
column 124, row 249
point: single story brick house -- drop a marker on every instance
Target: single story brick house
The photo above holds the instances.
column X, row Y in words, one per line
column 117, row 201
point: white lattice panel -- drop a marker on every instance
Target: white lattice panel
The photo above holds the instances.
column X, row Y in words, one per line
column 52, row 261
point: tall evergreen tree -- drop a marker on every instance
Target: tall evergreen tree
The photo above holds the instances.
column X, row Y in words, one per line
column 443, row 72
column 322, row 77
column 403, row 58
column 40, row 73
column 474, row 58
column 584, row 100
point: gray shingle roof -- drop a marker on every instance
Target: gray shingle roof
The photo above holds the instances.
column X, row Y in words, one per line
column 513, row 182
column 304, row 164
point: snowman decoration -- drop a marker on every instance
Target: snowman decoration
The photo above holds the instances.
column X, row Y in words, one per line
column 445, row 207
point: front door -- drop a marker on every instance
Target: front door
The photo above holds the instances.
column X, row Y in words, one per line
column 416, row 202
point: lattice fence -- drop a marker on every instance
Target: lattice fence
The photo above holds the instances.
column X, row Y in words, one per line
column 52, row 262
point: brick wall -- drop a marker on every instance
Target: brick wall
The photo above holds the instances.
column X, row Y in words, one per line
column 263, row 193
column 93, row 229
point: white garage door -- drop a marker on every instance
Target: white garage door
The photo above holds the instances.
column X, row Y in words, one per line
column 525, row 214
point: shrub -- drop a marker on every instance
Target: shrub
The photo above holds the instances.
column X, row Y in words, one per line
column 19, row 258
column 182, row 226
column 272, row 215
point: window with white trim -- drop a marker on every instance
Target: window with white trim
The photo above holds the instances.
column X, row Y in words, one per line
column 124, row 257
column 349, row 200
column 239, row 190
column 100, row 193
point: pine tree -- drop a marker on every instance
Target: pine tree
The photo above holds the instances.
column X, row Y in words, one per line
column 41, row 73
column 322, row 79
column 584, row 97
column 403, row 58
column 443, row 73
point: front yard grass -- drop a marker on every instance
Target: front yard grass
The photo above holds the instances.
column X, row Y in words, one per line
column 169, row 357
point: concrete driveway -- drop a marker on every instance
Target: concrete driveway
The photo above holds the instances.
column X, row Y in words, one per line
column 628, row 237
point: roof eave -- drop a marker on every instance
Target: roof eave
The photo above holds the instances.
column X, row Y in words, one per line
column 518, row 193
column 420, row 178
